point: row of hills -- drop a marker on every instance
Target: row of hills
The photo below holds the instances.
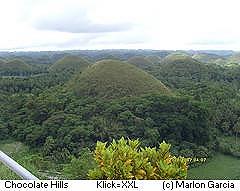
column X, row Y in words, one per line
column 113, row 78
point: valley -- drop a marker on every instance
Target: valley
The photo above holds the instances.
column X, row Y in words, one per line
column 227, row 168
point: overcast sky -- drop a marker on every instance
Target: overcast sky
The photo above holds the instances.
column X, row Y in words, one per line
column 117, row 24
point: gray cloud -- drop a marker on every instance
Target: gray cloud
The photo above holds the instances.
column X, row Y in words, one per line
column 77, row 22
column 82, row 27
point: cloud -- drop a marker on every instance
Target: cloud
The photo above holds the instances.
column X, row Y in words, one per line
column 74, row 19
column 94, row 24
column 212, row 42
column 62, row 42
column 80, row 26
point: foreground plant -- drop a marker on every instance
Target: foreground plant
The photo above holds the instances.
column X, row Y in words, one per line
column 125, row 159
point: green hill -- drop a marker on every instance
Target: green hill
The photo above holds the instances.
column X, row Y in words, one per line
column 154, row 59
column 181, row 70
column 14, row 68
column 234, row 59
column 69, row 64
column 209, row 58
column 114, row 79
column 178, row 58
column 140, row 61
column 1, row 62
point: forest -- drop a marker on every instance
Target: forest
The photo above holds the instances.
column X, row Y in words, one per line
column 68, row 114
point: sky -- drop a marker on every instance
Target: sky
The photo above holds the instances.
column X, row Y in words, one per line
column 34, row 25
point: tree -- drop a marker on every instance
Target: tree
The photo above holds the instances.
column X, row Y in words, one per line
column 49, row 146
column 4, row 132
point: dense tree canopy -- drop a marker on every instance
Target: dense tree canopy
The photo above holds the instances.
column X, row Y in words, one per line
column 38, row 107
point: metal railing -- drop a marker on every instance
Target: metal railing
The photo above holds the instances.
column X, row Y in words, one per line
column 16, row 168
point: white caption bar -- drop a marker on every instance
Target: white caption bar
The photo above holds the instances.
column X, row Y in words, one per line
column 120, row 185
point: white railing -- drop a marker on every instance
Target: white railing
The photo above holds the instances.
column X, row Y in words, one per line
column 16, row 168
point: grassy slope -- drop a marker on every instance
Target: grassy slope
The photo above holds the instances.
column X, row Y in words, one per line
column 114, row 79
column 10, row 148
column 15, row 66
column 220, row 167
column 209, row 58
column 179, row 58
column 235, row 58
column 23, row 156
